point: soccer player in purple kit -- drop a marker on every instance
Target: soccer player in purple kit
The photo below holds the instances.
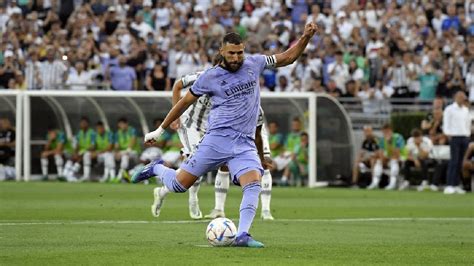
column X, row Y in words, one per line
column 233, row 87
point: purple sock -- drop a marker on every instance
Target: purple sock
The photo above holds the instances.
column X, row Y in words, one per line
column 168, row 178
column 248, row 206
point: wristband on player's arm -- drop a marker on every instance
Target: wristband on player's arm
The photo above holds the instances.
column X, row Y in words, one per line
column 154, row 134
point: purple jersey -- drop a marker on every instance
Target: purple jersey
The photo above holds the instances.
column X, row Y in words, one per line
column 235, row 96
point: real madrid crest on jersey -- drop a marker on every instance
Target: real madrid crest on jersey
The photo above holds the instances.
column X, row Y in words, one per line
column 250, row 72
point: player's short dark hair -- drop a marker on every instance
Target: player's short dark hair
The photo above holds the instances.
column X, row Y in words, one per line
column 338, row 52
column 386, row 126
column 99, row 124
column 304, row 134
column 232, row 38
column 416, row 133
column 123, row 120
column 84, row 118
column 296, row 119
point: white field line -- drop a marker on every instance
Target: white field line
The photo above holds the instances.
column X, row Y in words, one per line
column 341, row 220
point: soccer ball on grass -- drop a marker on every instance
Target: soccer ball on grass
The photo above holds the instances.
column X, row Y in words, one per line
column 221, row 232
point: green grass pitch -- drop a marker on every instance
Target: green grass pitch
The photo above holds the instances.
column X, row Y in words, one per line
column 111, row 224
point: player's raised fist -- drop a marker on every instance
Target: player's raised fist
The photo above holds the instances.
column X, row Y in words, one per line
column 310, row 29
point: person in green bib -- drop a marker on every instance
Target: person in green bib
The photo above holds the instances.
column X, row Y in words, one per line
column 275, row 139
column 126, row 146
column 83, row 145
column 54, row 148
column 277, row 146
column 299, row 165
column 391, row 152
column 104, row 145
column 172, row 153
column 293, row 140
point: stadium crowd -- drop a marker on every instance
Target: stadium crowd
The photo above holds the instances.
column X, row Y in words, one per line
column 367, row 49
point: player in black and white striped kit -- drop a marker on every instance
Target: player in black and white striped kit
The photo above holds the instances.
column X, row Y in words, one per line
column 191, row 127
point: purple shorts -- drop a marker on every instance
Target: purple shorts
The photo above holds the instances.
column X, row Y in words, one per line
column 216, row 149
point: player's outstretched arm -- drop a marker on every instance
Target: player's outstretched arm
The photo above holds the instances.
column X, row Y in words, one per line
column 177, row 87
column 175, row 112
column 289, row 56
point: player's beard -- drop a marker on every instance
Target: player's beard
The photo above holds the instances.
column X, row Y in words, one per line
column 232, row 67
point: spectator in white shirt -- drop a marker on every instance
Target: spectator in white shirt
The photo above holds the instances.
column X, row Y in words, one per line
column 437, row 21
column 344, row 26
column 356, row 73
column 187, row 60
column 398, row 76
column 198, row 20
column 316, row 16
column 419, row 148
column 53, row 71
column 141, row 26
column 367, row 96
column 303, row 71
column 33, row 71
column 162, row 14
column 339, row 71
column 78, row 77
column 457, row 126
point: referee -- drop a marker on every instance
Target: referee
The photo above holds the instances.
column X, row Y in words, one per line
column 457, row 126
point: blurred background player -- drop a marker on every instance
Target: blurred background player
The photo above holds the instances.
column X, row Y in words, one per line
column 292, row 141
column 391, row 150
column 418, row 149
column 468, row 167
column 365, row 160
column 84, row 145
column 126, row 147
column 104, row 145
column 7, row 149
column 298, row 167
column 191, row 127
column 172, row 154
column 54, row 148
